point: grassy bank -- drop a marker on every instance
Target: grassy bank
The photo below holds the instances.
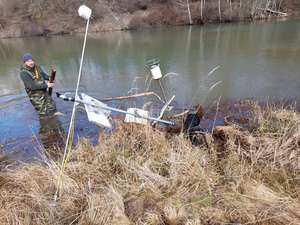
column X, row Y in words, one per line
column 140, row 176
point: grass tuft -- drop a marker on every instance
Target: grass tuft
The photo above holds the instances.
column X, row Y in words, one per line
column 139, row 176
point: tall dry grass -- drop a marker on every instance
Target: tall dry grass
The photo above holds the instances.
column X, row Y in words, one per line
column 138, row 176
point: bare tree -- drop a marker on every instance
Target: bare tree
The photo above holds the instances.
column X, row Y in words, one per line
column 219, row 6
column 201, row 8
column 230, row 6
column 189, row 12
column 186, row 5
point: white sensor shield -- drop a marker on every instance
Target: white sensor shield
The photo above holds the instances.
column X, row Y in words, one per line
column 84, row 12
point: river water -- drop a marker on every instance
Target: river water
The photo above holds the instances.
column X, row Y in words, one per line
column 258, row 60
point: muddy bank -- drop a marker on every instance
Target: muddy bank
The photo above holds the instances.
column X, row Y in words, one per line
column 28, row 18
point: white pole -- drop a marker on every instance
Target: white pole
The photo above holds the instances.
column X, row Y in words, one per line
column 71, row 126
column 84, row 12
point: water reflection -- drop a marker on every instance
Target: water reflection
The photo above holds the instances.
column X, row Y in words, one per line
column 52, row 136
column 253, row 59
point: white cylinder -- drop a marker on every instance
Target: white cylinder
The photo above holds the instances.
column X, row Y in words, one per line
column 84, row 12
column 156, row 72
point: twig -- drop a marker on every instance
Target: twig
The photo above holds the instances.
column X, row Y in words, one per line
column 273, row 11
column 170, row 74
column 131, row 96
column 181, row 114
column 217, row 111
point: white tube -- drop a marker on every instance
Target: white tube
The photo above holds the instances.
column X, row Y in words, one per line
column 83, row 11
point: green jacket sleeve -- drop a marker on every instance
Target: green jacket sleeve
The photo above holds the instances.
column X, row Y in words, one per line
column 32, row 84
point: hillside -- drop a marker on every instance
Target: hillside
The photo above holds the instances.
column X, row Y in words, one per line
column 41, row 17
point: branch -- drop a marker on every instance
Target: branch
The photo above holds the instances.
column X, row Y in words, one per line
column 273, row 11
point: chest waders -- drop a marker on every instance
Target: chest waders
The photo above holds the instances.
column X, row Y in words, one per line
column 40, row 99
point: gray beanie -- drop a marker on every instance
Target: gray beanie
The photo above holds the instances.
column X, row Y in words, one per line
column 27, row 57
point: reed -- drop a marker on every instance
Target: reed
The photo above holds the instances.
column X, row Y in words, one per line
column 139, row 176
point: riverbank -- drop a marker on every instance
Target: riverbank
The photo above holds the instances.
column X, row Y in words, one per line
column 139, row 176
column 41, row 18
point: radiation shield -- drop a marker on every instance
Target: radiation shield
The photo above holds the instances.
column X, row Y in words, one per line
column 85, row 12
column 156, row 72
column 154, row 67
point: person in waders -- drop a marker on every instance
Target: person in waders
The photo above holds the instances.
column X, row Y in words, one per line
column 36, row 83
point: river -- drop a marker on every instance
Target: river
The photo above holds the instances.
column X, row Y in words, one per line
column 250, row 60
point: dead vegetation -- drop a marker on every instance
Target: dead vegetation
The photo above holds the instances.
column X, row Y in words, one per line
column 41, row 17
column 138, row 176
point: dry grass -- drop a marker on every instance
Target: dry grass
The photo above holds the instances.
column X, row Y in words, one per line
column 137, row 176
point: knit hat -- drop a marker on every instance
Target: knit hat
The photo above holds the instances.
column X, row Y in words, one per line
column 27, row 57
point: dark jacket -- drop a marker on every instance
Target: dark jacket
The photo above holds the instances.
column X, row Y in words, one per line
column 34, row 80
